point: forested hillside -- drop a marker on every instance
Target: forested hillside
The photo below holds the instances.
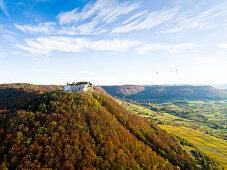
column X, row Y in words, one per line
column 125, row 90
column 85, row 130
column 12, row 95
column 157, row 92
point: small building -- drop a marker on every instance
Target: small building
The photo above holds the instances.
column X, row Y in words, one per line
column 80, row 86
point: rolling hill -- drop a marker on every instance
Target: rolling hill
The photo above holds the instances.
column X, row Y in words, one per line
column 83, row 130
column 165, row 92
column 12, row 95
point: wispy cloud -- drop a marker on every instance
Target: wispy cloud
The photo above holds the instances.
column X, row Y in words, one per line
column 170, row 48
column 204, row 20
column 222, row 45
column 113, row 45
column 142, row 21
column 102, row 10
column 103, row 16
column 47, row 28
column 83, row 29
column 111, row 16
column 95, row 17
column 3, row 7
column 45, row 45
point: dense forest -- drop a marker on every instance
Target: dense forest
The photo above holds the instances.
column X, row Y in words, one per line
column 62, row 130
column 16, row 94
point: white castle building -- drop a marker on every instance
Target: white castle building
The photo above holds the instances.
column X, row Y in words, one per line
column 80, row 86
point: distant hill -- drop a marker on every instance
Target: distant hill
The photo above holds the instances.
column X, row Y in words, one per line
column 220, row 86
column 15, row 93
column 124, row 90
column 165, row 92
column 31, row 87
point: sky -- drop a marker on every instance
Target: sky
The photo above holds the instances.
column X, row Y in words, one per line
column 113, row 42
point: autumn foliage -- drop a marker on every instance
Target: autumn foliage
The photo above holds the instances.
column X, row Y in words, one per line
column 81, row 130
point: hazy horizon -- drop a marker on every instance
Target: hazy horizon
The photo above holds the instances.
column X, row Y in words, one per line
column 219, row 86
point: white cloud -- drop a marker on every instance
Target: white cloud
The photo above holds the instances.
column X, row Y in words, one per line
column 222, row 45
column 133, row 17
column 203, row 20
column 47, row 28
column 102, row 16
column 170, row 48
column 3, row 7
column 83, row 29
column 94, row 18
column 102, row 10
column 146, row 21
column 45, row 45
column 51, row 28
column 113, row 45
column 67, row 17
column 9, row 37
column 112, row 16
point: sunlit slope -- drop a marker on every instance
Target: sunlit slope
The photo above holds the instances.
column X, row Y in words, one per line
column 84, row 130
column 214, row 147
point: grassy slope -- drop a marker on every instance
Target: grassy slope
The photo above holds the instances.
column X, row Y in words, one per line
column 214, row 147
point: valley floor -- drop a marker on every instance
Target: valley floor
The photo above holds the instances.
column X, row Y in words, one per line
column 195, row 131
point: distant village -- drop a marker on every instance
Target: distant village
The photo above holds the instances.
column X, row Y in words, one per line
column 80, row 86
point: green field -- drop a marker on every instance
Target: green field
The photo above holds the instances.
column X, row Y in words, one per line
column 202, row 123
column 213, row 147
column 209, row 117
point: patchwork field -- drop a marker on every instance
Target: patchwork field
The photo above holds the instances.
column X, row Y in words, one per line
column 203, row 134
column 214, row 147
column 209, row 117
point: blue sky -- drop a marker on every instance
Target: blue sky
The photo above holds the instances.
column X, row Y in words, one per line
column 113, row 41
